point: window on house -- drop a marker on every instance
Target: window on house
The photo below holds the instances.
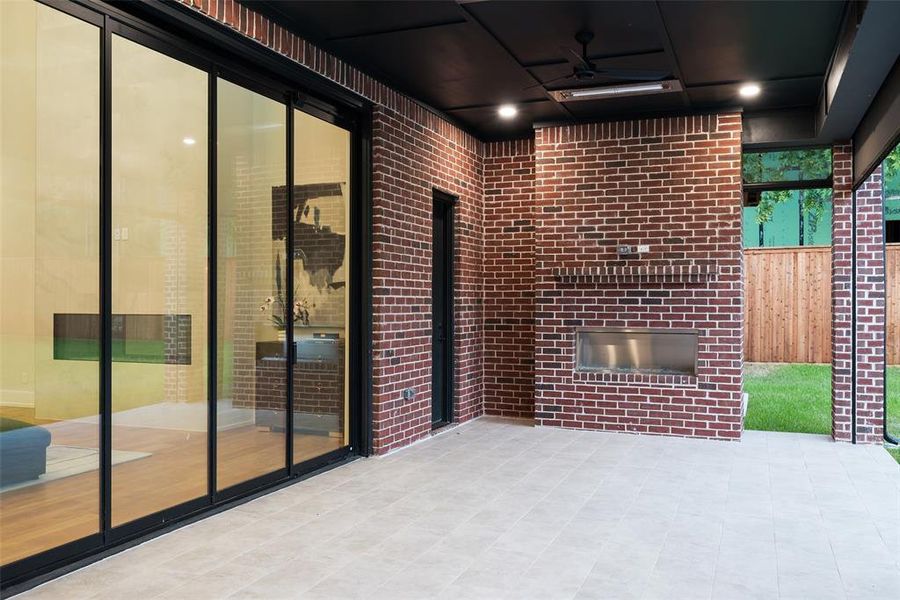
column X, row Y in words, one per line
column 787, row 198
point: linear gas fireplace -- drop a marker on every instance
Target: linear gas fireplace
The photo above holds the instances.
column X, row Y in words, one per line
column 630, row 350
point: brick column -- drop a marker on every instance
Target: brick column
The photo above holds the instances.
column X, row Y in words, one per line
column 870, row 310
column 841, row 275
column 509, row 278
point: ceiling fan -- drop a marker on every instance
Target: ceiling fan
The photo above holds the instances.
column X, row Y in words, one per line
column 584, row 71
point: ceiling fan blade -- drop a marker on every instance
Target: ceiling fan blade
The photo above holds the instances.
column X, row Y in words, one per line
column 575, row 58
column 546, row 83
column 632, row 74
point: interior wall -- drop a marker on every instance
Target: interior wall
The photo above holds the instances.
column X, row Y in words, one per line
column 251, row 158
column 321, row 283
column 322, row 156
column 51, row 215
column 50, row 205
column 160, row 196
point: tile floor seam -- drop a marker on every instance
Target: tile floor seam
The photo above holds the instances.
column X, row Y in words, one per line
column 716, row 570
column 828, row 537
column 583, row 503
column 519, row 520
column 493, row 545
column 775, row 536
column 718, row 556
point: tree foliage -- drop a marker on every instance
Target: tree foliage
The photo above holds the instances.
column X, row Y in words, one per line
column 892, row 170
column 789, row 165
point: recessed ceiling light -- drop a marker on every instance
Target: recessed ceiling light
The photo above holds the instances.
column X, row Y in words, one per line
column 749, row 90
column 507, row 111
column 188, row 141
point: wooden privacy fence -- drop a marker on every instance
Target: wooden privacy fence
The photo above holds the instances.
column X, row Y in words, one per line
column 892, row 264
column 788, row 304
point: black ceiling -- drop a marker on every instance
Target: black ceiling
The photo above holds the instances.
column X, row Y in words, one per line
column 465, row 58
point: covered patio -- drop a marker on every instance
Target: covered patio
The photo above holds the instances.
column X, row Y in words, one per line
column 497, row 508
column 447, row 299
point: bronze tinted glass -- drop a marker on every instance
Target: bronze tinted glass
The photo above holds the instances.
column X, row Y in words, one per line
column 252, row 265
column 321, row 268
column 159, row 267
column 49, row 264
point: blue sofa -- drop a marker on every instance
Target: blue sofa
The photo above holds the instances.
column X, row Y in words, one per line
column 23, row 451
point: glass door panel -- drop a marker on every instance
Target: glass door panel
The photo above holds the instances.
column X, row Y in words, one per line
column 159, row 281
column 49, row 279
column 321, row 272
column 252, row 265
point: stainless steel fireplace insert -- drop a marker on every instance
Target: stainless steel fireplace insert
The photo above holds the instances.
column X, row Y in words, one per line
column 633, row 350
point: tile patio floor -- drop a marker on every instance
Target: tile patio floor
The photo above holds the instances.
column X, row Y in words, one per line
column 498, row 509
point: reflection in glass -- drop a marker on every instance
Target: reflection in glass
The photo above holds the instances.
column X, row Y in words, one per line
column 49, row 263
column 786, row 165
column 159, row 252
column 252, row 374
column 135, row 338
column 622, row 350
column 321, row 268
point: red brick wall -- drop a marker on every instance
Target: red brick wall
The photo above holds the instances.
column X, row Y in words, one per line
column 408, row 162
column 870, row 310
column 671, row 183
column 509, row 278
column 841, row 292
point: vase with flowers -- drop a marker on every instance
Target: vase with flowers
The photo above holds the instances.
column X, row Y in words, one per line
column 276, row 307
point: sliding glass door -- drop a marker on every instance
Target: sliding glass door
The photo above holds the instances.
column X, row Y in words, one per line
column 252, row 300
column 159, row 281
column 49, row 279
column 176, row 282
column 321, row 275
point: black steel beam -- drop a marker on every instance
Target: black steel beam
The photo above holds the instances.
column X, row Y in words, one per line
column 766, row 130
column 868, row 48
column 879, row 131
column 811, row 184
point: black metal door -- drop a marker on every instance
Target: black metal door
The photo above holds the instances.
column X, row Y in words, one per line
column 442, row 310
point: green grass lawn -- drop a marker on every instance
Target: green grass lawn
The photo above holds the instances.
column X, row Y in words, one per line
column 895, row 452
column 797, row 398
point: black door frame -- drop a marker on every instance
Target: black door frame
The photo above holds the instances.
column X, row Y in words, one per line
column 442, row 200
column 179, row 33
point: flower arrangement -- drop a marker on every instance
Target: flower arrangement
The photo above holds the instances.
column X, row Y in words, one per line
column 276, row 305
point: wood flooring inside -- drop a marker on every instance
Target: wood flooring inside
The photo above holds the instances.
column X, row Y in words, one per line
column 41, row 516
